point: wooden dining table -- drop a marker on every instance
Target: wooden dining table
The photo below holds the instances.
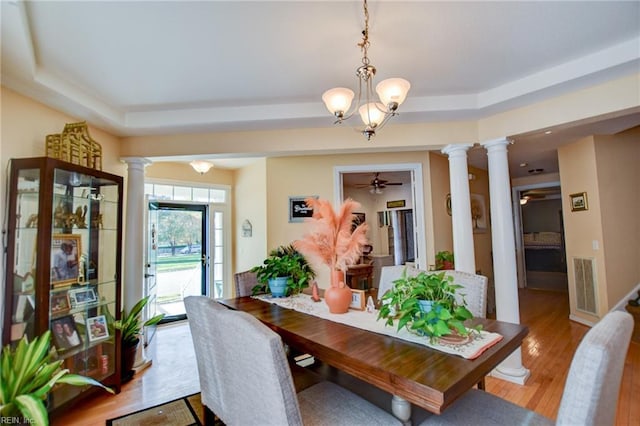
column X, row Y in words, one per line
column 426, row 377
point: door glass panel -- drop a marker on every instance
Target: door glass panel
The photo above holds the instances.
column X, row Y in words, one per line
column 218, row 250
column 180, row 271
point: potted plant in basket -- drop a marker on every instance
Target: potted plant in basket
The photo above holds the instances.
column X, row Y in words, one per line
column 130, row 327
column 425, row 304
column 28, row 372
column 285, row 271
column 337, row 244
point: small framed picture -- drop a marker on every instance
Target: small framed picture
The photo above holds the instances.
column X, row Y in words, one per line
column 60, row 302
column 579, row 202
column 65, row 256
column 65, row 333
column 358, row 300
column 97, row 328
column 80, row 297
column 358, row 219
column 298, row 209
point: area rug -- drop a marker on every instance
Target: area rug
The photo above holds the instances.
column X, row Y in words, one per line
column 185, row 411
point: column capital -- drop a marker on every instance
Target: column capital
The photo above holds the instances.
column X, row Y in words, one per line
column 136, row 160
column 457, row 149
column 503, row 141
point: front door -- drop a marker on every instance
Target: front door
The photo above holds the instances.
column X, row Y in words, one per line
column 182, row 261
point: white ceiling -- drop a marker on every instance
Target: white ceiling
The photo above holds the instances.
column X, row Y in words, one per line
column 155, row 67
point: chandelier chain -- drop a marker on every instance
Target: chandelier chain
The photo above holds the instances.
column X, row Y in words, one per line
column 364, row 44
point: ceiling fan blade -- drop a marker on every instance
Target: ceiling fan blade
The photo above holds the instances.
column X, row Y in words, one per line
column 393, row 183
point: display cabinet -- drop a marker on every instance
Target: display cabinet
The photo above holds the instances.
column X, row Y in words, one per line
column 63, row 266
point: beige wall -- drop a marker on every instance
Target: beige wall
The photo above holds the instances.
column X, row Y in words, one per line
column 443, row 230
column 250, row 203
column 619, row 187
column 314, row 175
column 606, row 169
column 577, row 174
column 183, row 172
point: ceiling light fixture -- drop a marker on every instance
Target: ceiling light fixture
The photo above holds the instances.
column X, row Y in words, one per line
column 200, row 166
column 374, row 113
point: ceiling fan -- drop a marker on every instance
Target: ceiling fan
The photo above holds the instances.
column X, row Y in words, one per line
column 377, row 184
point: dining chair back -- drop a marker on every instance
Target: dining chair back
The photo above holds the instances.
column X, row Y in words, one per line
column 258, row 388
column 199, row 312
column 474, row 289
column 388, row 274
column 590, row 393
column 245, row 282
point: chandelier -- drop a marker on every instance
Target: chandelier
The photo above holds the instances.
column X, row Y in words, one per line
column 374, row 113
column 200, row 166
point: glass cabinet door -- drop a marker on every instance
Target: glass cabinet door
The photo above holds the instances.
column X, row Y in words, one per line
column 24, row 292
column 83, row 274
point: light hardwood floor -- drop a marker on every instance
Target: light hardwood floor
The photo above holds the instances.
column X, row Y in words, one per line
column 547, row 351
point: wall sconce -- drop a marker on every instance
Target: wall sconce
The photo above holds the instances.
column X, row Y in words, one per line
column 200, row 166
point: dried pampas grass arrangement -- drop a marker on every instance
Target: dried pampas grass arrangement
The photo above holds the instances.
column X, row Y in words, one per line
column 331, row 239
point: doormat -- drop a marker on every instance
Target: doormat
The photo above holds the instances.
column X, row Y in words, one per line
column 187, row 411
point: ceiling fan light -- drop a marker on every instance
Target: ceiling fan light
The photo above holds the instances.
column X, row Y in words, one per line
column 371, row 114
column 338, row 100
column 201, row 166
column 393, row 91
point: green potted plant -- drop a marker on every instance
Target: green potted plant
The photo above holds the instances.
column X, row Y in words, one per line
column 285, row 271
column 130, row 326
column 444, row 260
column 425, row 304
column 27, row 374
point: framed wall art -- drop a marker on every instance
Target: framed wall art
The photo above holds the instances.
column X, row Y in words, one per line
column 579, row 202
column 298, row 209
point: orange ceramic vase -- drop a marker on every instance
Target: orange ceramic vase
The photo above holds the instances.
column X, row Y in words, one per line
column 338, row 295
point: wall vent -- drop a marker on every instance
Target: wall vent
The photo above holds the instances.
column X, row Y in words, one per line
column 584, row 272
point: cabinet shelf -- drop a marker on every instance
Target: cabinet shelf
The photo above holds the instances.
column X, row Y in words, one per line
column 64, row 267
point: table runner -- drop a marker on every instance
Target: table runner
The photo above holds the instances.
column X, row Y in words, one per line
column 471, row 349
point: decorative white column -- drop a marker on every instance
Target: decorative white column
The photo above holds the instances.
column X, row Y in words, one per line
column 504, row 254
column 133, row 277
column 461, row 208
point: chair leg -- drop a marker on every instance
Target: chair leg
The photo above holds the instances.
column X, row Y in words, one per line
column 210, row 419
column 481, row 384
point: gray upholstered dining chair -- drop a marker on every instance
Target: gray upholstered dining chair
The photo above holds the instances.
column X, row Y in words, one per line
column 198, row 311
column 590, row 393
column 388, row 274
column 257, row 386
column 245, row 282
column 474, row 287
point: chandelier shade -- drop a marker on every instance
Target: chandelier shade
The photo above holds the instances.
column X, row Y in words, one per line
column 201, row 166
column 374, row 113
column 393, row 91
column 338, row 100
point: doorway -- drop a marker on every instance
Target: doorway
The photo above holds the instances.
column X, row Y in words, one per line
column 541, row 245
column 181, row 262
column 388, row 191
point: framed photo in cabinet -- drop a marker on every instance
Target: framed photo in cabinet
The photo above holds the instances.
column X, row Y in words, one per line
column 60, row 302
column 65, row 333
column 65, row 258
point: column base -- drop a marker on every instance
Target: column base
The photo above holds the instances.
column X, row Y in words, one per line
column 513, row 375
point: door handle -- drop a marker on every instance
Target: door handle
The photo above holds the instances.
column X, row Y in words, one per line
column 204, row 260
column 149, row 275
